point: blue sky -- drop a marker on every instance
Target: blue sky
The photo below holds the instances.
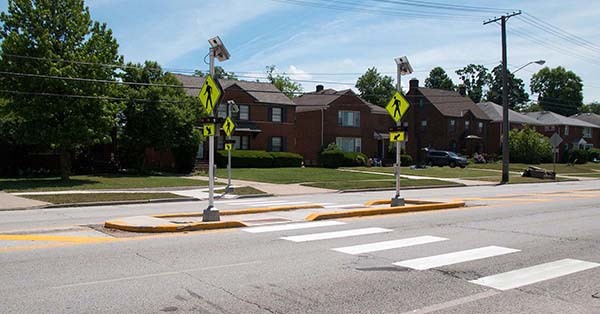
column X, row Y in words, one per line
column 335, row 46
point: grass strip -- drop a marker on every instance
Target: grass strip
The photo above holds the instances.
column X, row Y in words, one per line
column 100, row 197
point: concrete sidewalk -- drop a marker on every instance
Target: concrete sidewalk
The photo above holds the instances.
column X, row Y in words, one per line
column 412, row 177
column 9, row 201
column 271, row 188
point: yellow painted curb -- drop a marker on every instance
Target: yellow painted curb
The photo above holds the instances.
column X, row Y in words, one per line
column 120, row 225
column 383, row 211
column 257, row 210
column 389, row 201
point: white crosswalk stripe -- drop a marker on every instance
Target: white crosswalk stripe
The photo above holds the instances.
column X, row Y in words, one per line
column 293, row 226
column 533, row 274
column 335, row 234
column 455, row 257
column 271, row 204
column 388, row 245
column 342, row 205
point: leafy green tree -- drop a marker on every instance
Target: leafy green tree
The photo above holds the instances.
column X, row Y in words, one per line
column 517, row 96
column 475, row 78
column 57, row 30
column 219, row 73
column 529, row 146
column 157, row 116
column 439, row 79
column 560, row 91
column 283, row 82
column 593, row 107
column 376, row 88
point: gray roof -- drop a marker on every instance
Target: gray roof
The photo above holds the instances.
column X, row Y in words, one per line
column 552, row 118
column 262, row 92
column 588, row 117
column 321, row 100
column 451, row 103
column 494, row 111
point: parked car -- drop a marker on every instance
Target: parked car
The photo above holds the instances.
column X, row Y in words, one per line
column 445, row 158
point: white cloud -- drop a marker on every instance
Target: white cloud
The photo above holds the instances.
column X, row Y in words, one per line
column 298, row 74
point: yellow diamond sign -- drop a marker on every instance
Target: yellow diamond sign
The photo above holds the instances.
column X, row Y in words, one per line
column 228, row 126
column 228, row 146
column 397, row 106
column 397, row 136
column 210, row 94
column 208, row 129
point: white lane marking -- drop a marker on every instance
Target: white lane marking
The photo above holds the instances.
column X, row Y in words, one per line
column 533, row 274
column 388, row 245
column 247, row 200
column 453, row 303
column 455, row 257
column 277, row 204
column 293, row 226
column 335, row 234
column 170, row 273
column 342, row 205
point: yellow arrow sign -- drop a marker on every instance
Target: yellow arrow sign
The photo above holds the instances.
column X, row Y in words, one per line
column 397, row 106
column 210, row 94
column 397, row 136
column 228, row 146
column 208, row 129
column 228, row 126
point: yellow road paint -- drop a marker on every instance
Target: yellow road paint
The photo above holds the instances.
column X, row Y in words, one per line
column 382, row 211
column 53, row 238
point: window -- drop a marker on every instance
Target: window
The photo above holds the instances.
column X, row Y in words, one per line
column 348, row 144
column 587, row 132
column 423, row 124
column 222, row 111
column 276, row 144
column 467, row 125
column 566, row 130
column 451, row 124
column 244, row 113
column 276, row 114
column 549, row 128
column 480, row 127
column 349, row 118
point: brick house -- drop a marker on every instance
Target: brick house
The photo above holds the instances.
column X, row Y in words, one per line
column 515, row 120
column 265, row 120
column 328, row 116
column 442, row 119
column 574, row 132
column 593, row 119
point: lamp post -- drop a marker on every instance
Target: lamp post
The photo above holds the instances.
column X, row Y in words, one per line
column 540, row 62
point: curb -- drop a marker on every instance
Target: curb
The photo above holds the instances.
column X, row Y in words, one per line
column 159, row 200
column 257, row 210
column 383, row 211
column 117, row 224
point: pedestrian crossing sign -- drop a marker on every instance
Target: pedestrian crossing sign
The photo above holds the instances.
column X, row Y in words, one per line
column 397, row 136
column 228, row 126
column 228, row 146
column 397, row 106
column 208, row 129
column 210, row 94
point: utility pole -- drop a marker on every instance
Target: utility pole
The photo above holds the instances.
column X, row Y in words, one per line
column 505, row 122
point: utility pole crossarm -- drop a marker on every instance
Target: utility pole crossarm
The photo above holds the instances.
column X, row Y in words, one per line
column 506, row 17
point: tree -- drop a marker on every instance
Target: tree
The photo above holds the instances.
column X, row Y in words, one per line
column 593, row 107
column 517, row 96
column 52, row 31
column 475, row 78
column 560, row 91
column 439, row 79
column 159, row 116
column 283, row 82
column 376, row 88
column 528, row 146
column 220, row 73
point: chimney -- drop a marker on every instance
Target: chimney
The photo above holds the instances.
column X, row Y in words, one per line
column 462, row 90
column 320, row 88
column 413, row 84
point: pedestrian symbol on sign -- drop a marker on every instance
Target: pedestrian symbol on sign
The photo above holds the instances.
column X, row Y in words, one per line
column 228, row 126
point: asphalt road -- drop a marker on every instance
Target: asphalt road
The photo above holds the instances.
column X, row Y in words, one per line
column 516, row 249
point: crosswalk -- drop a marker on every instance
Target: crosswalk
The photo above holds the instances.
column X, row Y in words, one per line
column 502, row 281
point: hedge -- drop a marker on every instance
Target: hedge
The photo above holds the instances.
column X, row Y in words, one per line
column 337, row 158
column 258, row 159
column 406, row 160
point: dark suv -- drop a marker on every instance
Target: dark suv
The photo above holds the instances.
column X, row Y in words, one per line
column 444, row 158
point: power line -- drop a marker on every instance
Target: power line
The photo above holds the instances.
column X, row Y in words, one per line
column 443, row 6
column 567, row 38
column 578, row 38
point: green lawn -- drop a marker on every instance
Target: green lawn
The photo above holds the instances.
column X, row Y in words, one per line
column 112, row 181
column 294, row 175
column 349, row 185
column 437, row 172
column 100, row 197
column 587, row 168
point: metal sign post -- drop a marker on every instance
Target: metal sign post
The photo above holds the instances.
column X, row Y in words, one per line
column 228, row 127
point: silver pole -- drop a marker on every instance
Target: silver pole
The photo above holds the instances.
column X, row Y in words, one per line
column 228, row 154
column 397, row 200
column 209, row 214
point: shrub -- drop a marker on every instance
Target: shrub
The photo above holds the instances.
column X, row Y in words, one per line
column 529, row 146
column 245, row 159
column 331, row 158
column 593, row 154
column 352, row 159
column 406, row 160
column 578, row 156
column 284, row 159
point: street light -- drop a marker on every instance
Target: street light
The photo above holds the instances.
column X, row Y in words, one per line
column 540, row 62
